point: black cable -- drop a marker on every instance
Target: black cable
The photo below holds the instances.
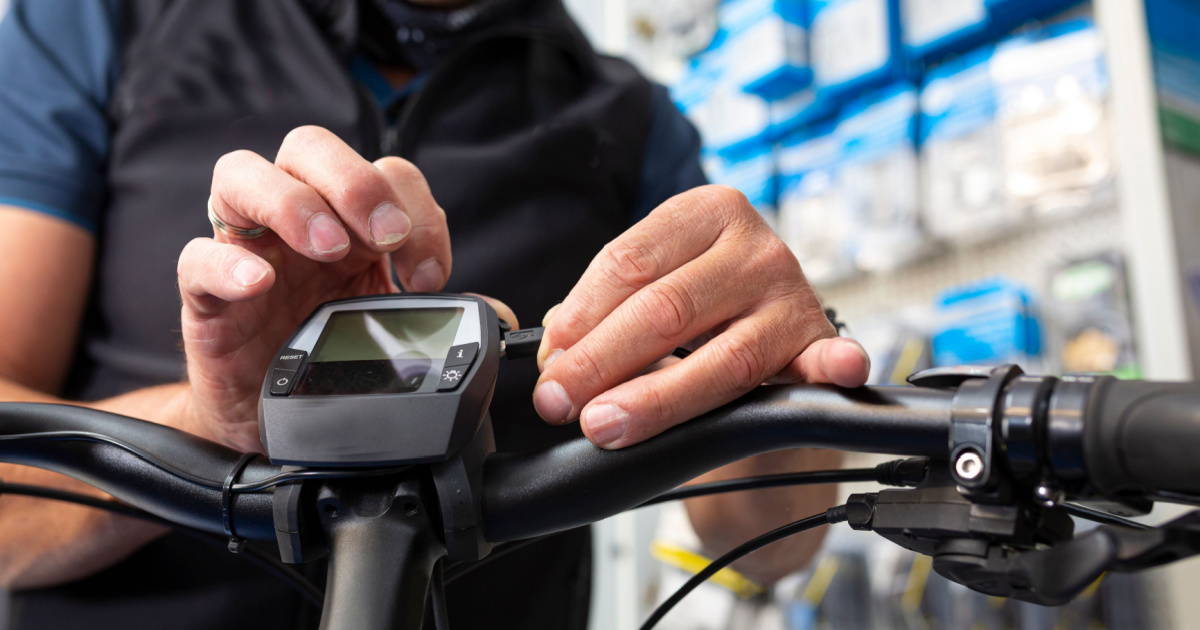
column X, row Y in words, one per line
column 457, row 571
column 1082, row 511
column 437, row 597
column 767, row 481
column 237, row 488
column 1176, row 497
column 307, row 475
column 288, row 575
column 832, row 515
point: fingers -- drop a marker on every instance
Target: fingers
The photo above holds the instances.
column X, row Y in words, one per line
column 247, row 190
column 720, row 371
column 837, row 361
column 731, row 364
column 319, row 193
column 360, row 194
column 423, row 264
column 676, row 232
column 214, row 274
column 648, row 325
column 703, row 266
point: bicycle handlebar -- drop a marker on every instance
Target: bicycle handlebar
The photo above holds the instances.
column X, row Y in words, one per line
column 115, row 453
column 1134, row 437
column 585, row 484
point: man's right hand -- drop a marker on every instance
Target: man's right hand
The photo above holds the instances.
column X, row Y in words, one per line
column 337, row 225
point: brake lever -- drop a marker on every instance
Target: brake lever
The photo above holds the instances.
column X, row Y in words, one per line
column 985, row 551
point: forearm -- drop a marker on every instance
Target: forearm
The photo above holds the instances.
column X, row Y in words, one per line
column 49, row 542
column 724, row 521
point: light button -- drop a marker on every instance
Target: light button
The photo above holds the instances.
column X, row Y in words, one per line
column 451, row 377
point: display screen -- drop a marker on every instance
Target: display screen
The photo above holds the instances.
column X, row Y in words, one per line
column 379, row 352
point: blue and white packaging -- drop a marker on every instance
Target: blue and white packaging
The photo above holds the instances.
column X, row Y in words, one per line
column 815, row 219
column 798, row 111
column 854, row 44
column 934, row 27
column 767, row 46
column 965, row 193
column 987, row 323
column 1052, row 88
column 729, row 120
column 879, row 177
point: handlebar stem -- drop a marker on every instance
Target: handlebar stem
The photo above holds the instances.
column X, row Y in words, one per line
column 384, row 550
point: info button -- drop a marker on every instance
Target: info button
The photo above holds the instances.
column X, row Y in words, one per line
column 462, row 355
column 282, row 381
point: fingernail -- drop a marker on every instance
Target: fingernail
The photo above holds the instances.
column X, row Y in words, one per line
column 249, row 272
column 325, row 234
column 554, row 354
column 549, row 314
column 389, row 224
column 552, row 403
column 605, row 424
column 428, row 276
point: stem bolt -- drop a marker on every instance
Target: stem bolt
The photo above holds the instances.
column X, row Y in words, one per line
column 968, row 465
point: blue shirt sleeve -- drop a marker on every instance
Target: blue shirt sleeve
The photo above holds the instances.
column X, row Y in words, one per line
column 58, row 63
column 672, row 159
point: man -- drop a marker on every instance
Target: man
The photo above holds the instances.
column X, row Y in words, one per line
column 524, row 157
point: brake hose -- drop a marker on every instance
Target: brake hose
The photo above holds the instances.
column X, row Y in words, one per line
column 832, row 515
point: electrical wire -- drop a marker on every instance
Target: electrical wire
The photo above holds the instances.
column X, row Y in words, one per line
column 832, row 515
column 1082, row 511
column 459, row 570
column 308, row 475
column 1177, row 497
column 309, row 591
column 437, row 597
column 767, row 481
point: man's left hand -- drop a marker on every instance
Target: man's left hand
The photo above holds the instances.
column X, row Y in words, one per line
column 702, row 267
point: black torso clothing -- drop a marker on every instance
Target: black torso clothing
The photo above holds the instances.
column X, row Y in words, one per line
column 532, row 144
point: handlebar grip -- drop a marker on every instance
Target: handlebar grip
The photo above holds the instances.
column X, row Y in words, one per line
column 1143, row 436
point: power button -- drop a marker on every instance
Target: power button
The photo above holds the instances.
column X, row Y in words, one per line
column 282, row 381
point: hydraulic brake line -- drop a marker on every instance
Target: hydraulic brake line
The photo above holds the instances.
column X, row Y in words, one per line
column 832, row 515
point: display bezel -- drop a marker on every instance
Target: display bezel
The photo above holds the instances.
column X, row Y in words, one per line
column 468, row 332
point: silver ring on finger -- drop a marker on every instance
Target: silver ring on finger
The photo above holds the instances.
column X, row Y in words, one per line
column 233, row 230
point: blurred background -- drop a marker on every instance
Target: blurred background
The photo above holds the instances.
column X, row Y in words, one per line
column 964, row 181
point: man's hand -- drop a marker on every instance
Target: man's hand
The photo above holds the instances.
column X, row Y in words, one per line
column 337, row 225
column 702, row 267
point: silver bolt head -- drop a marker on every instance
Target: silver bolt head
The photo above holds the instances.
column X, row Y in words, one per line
column 968, row 465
